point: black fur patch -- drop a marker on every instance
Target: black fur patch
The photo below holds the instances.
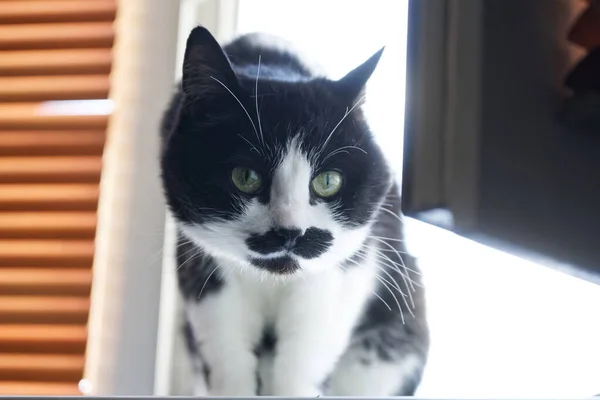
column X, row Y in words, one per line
column 190, row 340
column 312, row 244
column 268, row 342
column 281, row 265
column 258, row 383
column 266, row 345
column 410, row 385
column 196, row 272
column 273, row 241
column 392, row 334
column 206, row 373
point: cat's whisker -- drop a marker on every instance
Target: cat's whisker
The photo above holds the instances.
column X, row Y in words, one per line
column 406, row 279
column 404, row 296
column 393, row 295
column 398, row 217
column 386, row 283
column 372, row 291
column 393, row 283
column 157, row 254
column 382, row 300
column 199, row 253
column 364, row 256
column 387, row 238
column 262, row 138
column 401, row 265
column 392, row 248
column 188, row 251
column 241, row 105
column 342, row 150
column 380, row 254
column 348, row 111
column 252, row 147
column 206, row 281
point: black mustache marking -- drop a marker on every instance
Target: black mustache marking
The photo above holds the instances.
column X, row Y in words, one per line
column 312, row 244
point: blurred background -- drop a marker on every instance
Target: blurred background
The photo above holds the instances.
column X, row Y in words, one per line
column 488, row 111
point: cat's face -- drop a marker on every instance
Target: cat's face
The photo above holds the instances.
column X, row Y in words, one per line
column 293, row 190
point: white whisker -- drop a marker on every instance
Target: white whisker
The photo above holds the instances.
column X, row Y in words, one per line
column 206, row 281
column 383, row 241
column 401, row 259
column 392, row 293
column 240, row 103
column 383, row 282
column 403, row 265
column 189, row 259
column 387, row 238
column 401, row 292
column 408, row 282
column 342, row 150
column 262, row 138
column 399, row 218
column 252, row 147
column 341, row 120
column 372, row 291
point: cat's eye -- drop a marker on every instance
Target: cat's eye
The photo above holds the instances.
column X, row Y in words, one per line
column 327, row 183
column 246, row 180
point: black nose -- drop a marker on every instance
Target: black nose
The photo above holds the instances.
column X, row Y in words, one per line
column 289, row 236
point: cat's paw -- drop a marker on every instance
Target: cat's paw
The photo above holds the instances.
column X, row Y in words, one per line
column 233, row 388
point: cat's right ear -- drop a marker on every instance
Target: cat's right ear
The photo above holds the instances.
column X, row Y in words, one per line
column 206, row 68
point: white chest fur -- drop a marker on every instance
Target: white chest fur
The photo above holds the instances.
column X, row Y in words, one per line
column 312, row 317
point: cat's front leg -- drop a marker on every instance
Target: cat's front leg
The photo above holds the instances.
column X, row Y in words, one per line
column 227, row 328
column 313, row 330
column 301, row 368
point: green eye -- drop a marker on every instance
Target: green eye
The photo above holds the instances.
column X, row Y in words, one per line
column 327, row 183
column 246, row 179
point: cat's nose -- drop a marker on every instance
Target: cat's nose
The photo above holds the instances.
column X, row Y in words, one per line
column 289, row 235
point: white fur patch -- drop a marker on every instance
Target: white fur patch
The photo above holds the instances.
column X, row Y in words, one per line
column 290, row 192
column 378, row 379
column 313, row 318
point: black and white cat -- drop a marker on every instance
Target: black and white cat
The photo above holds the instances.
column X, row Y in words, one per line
column 292, row 265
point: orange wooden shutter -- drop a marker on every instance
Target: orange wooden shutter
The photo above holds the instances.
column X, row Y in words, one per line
column 50, row 168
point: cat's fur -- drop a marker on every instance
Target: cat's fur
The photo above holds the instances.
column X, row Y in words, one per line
column 342, row 311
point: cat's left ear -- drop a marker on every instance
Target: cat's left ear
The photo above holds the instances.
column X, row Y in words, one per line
column 206, row 68
column 354, row 82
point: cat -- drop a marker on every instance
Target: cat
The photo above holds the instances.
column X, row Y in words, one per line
column 291, row 257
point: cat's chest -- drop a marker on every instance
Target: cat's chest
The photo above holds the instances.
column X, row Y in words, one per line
column 264, row 296
column 335, row 290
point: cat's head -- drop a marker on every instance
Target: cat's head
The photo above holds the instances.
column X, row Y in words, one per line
column 271, row 175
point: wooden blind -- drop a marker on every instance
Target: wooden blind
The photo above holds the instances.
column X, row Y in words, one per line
column 50, row 166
